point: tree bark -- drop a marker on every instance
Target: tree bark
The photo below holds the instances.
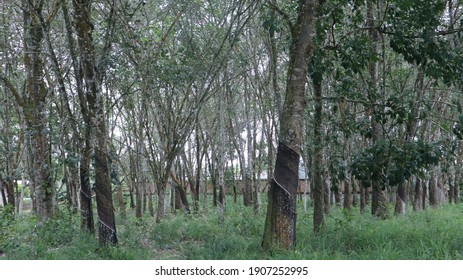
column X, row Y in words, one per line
column 10, row 161
column 280, row 224
column 160, row 211
column 424, row 200
column 433, row 189
column 337, row 196
column 72, row 182
column 417, row 195
column 379, row 201
column 188, row 165
column 273, row 65
column 10, row 192
column 2, row 191
column 107, row 224
column 121, row 200
column 150, row 201
column 347, row 194
column 136, row 181
column 86, row 207
column 318, row 185
column 181, row 192
column 354, row 185
column 326, row 196
column 363, row 197
column 35, row 109
column 379, row 195
column 199, row 162
column 221, row 160
column 401, row 199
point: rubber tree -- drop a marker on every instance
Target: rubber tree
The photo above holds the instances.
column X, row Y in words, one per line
column 83, row 139
column 34, row 105
column 94, row 99
column 280, row 223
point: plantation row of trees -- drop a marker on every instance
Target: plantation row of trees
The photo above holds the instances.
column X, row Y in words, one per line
column 132, row 103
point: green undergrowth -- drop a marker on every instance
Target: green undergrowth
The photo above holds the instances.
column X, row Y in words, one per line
column 430, row 234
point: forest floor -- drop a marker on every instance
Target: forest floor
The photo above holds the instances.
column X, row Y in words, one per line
column 434, row 233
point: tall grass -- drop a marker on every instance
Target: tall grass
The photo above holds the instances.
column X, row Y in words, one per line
column 431, row 234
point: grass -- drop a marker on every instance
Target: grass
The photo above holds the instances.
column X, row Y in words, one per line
column 431, row 234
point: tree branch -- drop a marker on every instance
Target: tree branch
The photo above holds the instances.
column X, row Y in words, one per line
column 13, row 89
column 285, row 16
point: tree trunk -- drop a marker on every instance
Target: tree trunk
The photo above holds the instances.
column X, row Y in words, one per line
column 121, row 200
column 181, row 192
column 86, row 206
column 143, row 190
column 10, row 193
column 326, row 196
column 136, row 181
column 433, row 191
column 273, row 65
column 318, row 186
column 21, row 196
column 354, row 185
column 417, row 195
column 363, row 196
column 199, row 161
column 280, row 224
column 401, row 199
column 424, row 186
column 451, row 190
column 35, row 110
column 160, row 211
column 347, row 194
column 453, row 184
column 2, row 191
column 379, row 201
column 256, row 167
column 337, row 196
column 379, row 193
column 30, row 171
column 204, row 196
column 213, row 176
column 176, row 201
column 71, row 185
column 197, row 186
column 107, row 224
column 9, row 166
column 190, row 178
column 368, row 195
column 221, row 208
column 103, row 193
column 221, row 160
column 456, row 189
column 150, row 201
column 132, row 199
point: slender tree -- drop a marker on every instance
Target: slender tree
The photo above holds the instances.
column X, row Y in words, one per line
column 34, row 105
column 94, row 98
column 280, row 224
column 318, row 186
column 379, row 198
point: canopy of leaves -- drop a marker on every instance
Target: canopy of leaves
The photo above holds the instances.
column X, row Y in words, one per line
column 416, row 28
column 392, row 163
